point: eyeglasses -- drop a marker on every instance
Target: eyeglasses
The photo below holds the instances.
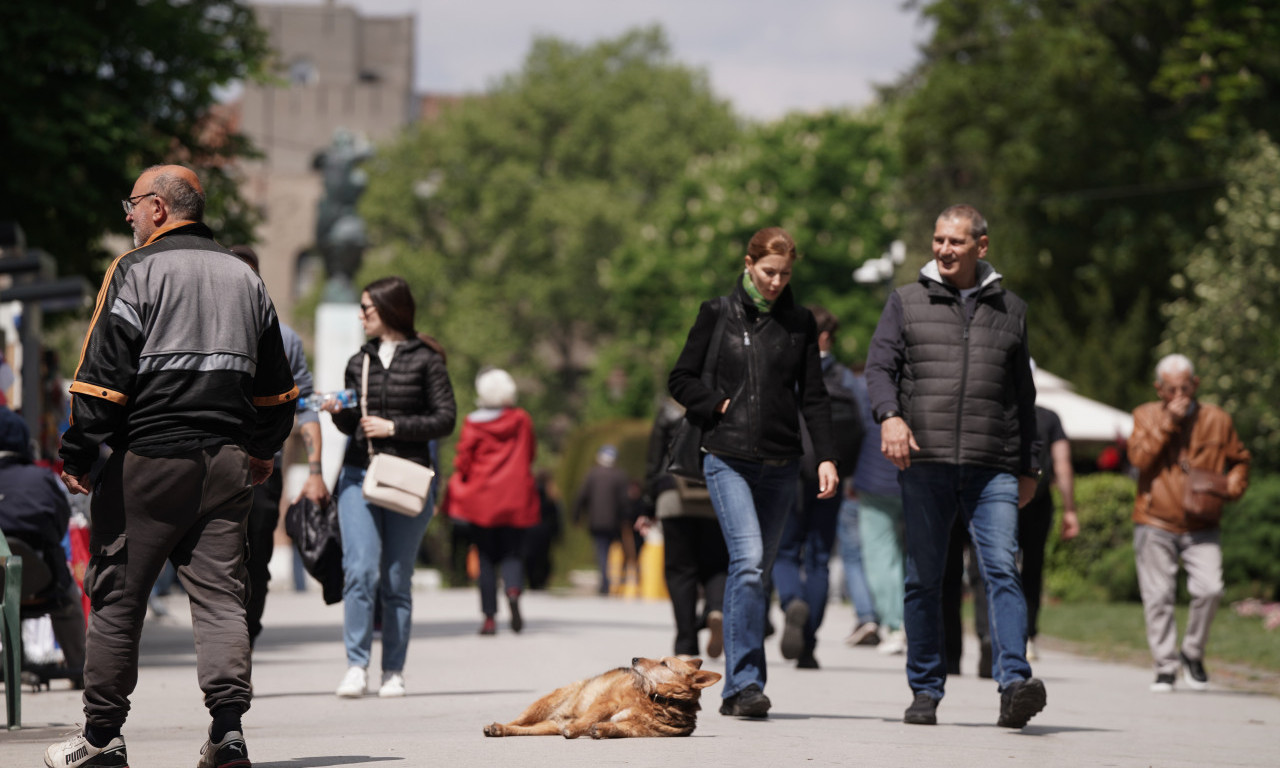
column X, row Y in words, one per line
column 365, row 309
column 129, row 202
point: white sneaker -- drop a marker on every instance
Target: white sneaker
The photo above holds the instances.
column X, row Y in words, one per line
column 392, row 685
column 77, row 751
column 353, row 683
column 893, row 643
column 1032, row 655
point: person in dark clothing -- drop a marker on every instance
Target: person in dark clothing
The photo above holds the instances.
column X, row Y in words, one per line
column 767, row 374
column 34, row 511
column 603, row 500
column 539, row 538
column 183, row 374
column 949, row 375
column 694, row 554
column 409, row 402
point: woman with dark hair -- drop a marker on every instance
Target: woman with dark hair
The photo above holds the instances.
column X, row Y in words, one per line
column 409, row 402
column 766, row 374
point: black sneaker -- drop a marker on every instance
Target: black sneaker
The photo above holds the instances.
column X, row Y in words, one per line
column 1193, row 673
column 807, row 661
column 1164, row 683
column 77, row 752
column 1020, row 702
column 796, row 615
column 923, row 711
column 513, row 602
column 748, row 702
column 230, row 752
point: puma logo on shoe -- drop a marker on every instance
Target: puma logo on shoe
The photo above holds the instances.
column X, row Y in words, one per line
column 79, row 754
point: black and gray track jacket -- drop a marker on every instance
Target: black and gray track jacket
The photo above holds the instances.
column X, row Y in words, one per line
column 183, row 352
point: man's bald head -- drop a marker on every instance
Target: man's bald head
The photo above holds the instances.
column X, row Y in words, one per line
column 180, row 189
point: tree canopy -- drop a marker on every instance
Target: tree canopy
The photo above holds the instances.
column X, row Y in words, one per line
column 100, row 91
column 506, row 212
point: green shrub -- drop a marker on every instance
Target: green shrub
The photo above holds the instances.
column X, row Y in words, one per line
column 1251, row 541
column 1097, row 564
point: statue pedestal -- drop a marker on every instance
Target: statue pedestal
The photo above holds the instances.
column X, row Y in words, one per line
column 339, row 335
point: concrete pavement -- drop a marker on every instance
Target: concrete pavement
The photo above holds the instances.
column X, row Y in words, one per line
column 849, row 712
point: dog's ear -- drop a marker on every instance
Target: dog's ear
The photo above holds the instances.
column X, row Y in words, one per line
column 704, row 679
column 694, row 661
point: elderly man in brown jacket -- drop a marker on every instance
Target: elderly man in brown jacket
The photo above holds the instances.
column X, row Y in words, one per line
column 1172, row 439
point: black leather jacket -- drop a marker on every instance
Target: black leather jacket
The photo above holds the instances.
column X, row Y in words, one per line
column 415, row 393
column 768, row 368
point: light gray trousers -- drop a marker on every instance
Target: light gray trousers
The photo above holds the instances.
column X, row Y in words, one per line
column 1157, row 553
column 191, row 509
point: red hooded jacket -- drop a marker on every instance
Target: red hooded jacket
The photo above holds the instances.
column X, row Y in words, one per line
column 492, row 483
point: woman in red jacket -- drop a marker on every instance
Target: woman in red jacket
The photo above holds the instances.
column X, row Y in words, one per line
column 492, row 489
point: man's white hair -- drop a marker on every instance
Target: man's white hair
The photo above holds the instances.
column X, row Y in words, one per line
column 495, row 389
column 1172, row 365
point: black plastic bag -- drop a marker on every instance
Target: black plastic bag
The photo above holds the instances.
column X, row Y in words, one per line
column 318, row 536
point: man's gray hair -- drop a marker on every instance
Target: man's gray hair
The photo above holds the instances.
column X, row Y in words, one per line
column 977, row 224
column 1172, row 365
column 185, row 201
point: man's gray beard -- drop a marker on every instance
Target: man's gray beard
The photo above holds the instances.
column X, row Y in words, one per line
column 136, row 241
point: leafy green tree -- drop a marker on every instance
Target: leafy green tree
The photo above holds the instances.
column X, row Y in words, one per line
column 826, row 178
column 1069, row 125
column 506, row 213
column 1225, row 316
column 93, row 92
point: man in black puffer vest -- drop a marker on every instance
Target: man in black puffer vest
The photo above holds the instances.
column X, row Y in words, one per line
column 950, row 381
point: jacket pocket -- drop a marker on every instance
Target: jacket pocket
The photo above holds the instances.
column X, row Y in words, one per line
column 104, row 581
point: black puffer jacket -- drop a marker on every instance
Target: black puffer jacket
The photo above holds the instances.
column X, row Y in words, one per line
column 769, row 369
column 415, row 393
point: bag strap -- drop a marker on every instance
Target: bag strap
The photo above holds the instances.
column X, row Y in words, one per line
column 364, row 399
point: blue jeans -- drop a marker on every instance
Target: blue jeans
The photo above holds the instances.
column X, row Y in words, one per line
column 880, row 528
column 855, row 579
column 802, row 570
column 987, row 500
column 379, row 548
column 752, row 502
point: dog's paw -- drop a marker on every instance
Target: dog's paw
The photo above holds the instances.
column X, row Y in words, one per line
column 570, row 733
column 494, row 729
column 596, row 732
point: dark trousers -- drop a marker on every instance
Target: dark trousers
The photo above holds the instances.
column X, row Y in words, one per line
column 190, row 509
column 1034, row 521
column 694, row 554
column 260, row 539
column 500, row 546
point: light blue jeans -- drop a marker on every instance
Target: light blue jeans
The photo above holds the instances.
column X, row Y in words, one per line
column 379, row 548
column 855, row 580
column 880, row 525
column 932, row 495
column 752, row 502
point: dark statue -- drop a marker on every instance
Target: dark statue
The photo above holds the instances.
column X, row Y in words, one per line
column 340, row 232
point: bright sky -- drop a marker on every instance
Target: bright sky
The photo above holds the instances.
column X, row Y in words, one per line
column 767, row 57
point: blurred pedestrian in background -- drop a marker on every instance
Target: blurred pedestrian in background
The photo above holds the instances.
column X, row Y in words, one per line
column 604, row 501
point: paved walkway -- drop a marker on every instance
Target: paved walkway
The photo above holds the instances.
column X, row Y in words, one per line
column 847, row 713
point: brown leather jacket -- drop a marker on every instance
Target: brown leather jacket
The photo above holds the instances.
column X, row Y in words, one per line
column 1155, row 449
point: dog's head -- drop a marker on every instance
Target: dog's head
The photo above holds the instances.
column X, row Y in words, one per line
column 679, row 678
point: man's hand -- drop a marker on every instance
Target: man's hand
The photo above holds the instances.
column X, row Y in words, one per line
column 897, row 442
column 260, row 470
column 643, row 524
column 828, row 480
column 1070, row 525
column 315, row 489
column 76, row 483
column 1026, row 489
column 1178, row 406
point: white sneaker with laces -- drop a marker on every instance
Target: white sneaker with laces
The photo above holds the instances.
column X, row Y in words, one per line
column 76, row 752
column 893, row 643
column 353, row 683
column 392, row 685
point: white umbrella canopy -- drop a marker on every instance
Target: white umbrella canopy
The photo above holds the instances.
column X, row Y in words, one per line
column 1083, row 420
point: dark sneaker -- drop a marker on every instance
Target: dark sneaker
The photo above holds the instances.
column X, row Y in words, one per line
column 866, row 633
column 513, row 602
column 1020, row 702
column 1193, row 673
column 807, row 661
column 796, row 615
column 1164, row 683
column 748, row 702
column 923, row 711
column 230, row 752
column 77, row 752
column 489, row 627
column 715, row 645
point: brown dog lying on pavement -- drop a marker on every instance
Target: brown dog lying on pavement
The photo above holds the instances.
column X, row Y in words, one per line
column 649, row 698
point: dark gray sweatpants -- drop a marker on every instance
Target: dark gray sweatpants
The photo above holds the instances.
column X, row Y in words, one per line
column 190, row 509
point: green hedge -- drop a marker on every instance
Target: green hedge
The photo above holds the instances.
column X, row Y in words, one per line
column 1098, row 564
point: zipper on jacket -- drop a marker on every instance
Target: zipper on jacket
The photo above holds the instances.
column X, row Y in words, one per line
column 964, row 376
column 752, row 399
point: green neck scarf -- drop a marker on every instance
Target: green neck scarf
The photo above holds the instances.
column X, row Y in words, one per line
column 757, row 298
